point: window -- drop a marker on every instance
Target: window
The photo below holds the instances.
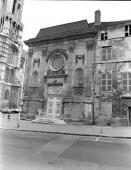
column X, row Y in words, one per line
column 12, row 55
column 13, row 10
column 18, row 10
column 126, row 77
column 104, row 35
column 127, row 30
column 11, row 76
column 36, row 62
column 3, row 4
column 106, row 82
column 56, row 62
column 7, row 75
column 6, row 95
column 106, row 53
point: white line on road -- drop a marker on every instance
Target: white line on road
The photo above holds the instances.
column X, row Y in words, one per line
column 88, row 139
column 97, row 138
column 106, row 141
column 31, row 135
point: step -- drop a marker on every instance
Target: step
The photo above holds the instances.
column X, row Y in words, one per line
column 49, row 120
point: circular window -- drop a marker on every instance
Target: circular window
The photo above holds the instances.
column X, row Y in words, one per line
column 56, row 62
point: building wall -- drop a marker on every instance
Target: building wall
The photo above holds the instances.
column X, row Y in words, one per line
column 75, row 50
column 110, row 103
column 10, row 52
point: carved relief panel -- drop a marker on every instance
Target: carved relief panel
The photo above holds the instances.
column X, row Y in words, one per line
column 80, row 59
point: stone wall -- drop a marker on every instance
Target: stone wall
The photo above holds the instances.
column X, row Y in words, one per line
column 80, row 55
column 120, row 63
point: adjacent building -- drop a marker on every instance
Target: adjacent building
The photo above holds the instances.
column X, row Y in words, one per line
column 11, row 53
column 80, row 71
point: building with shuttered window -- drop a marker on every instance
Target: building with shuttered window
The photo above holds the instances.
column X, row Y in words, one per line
column 81, row 71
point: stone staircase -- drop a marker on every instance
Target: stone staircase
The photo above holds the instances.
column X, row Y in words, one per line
column 46, row 119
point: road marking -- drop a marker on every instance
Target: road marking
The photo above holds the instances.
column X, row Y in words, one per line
column 106, row 141
column 89, row 139
column 33, row 135
column 97, row 138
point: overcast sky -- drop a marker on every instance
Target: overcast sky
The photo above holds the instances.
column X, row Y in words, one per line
column 39, row 14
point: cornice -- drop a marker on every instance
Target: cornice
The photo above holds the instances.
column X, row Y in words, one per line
column 38, row 42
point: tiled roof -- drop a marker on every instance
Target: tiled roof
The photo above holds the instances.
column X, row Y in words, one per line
column 60, row 29
column 112, row 23
column 69, row 29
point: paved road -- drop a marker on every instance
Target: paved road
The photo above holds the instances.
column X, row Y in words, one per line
column 38, row 151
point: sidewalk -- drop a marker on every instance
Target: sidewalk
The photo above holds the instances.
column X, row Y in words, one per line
column 83, row 130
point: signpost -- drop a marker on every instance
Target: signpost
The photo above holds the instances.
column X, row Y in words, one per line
column 20, row 103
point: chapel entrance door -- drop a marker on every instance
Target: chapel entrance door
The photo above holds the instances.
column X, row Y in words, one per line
column 54, row 105
column 54, row 101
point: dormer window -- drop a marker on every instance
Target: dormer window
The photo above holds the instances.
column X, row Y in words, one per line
column 127, row 30
column 104, row 35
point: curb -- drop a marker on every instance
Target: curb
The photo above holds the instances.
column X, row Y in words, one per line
column 66, row 133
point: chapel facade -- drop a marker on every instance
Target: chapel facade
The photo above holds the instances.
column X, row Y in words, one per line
column 80, row 71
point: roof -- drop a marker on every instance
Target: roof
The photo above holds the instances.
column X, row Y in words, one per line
column 59, row 29
column 71, row 29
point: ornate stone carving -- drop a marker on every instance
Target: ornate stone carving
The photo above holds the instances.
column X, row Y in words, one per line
column 80, row 57
column 33, row 91
column 22, row 61
column 90, row 44
column 71, row 49
column 40, row 91
column 56, row 62
column 78, row 91
column 57, row 51
column 30, row 52
column 60, row 72
column 36, row 62
column 44, row 51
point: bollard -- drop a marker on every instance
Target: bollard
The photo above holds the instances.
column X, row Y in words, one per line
column 8, row 117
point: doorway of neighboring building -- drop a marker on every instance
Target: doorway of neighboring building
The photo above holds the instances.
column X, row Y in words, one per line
column 129, row 115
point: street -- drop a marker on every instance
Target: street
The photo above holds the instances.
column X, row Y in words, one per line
column 35, row 151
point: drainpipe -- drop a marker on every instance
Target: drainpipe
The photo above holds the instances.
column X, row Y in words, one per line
column 94, row 81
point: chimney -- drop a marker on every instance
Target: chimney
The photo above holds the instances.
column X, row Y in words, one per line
column 97, row 17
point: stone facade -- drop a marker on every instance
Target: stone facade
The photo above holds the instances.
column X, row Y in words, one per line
column 112, row 72
column 76, row 71
column 11, row 52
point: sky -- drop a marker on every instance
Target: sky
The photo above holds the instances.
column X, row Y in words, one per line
column 39, row 14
